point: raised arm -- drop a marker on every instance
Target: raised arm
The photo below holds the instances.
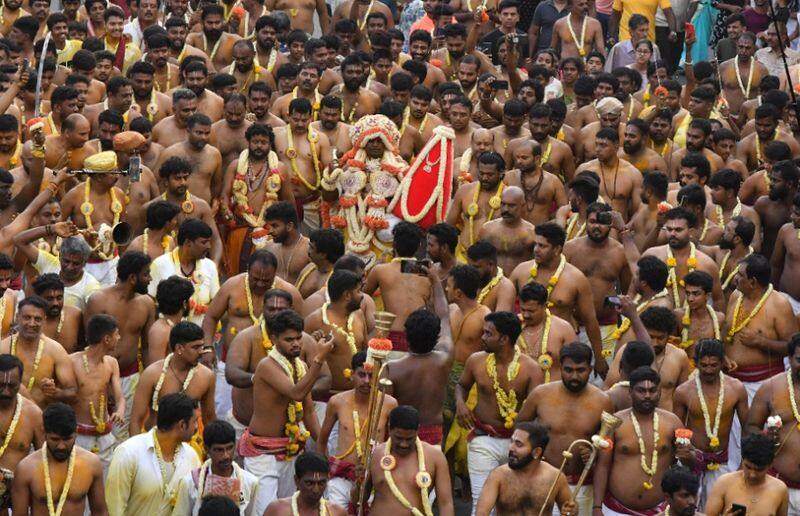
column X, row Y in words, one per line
column 442, row 311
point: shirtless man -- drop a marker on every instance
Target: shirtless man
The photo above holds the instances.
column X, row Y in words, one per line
column 621, row 485
column 692, row 403
column 569, row 292
column 244, row 68
column 522, row 485
column 205, row 181
column 571, row 409
column 556, row 156
column 279, row 379
column 213, row 40
column 287, row 244
column 542, row 189
column 583, row 190
column 181, row 371
column 228, row 134
column 697, row 134
column 679, row 252
column 402, row 292
column 784, row 265
column 459, row 112
column 750, row 149
column 512, row 128
column 733, row 247
column 698, row 319
column 511, row 235
column 305, row 153
column 307, row 87
column 644, row 224
column 97, row 373
column 172, row 298
column 64, row 324
column 693, row 198
column 774, row 209
column 147, row 100
column 166, row 75
column 467, row 164
column 497, row 291
column 314, row 478
column 774, row 401
column 609, row 110
column 726, row 205
column 13, row 408
column 635, row 150
column 419, row 114
column 52, row 379
column 734, row 90
column 258, row 100
column 478, row 202
column 752, row 487
column 350, row 409
column 127, row 301
column 491, row 422
column 620, row 182
column 70, row 147
column 325, row 246
column 723, row 143
column 330, row 124
column 161, row 219
column 440, row 246
column 357, row 101
column 172, row 129
column 40, row 475
column 577, row 34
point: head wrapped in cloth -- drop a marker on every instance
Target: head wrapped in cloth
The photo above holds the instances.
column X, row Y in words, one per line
column 101, row 162
column 128, row 141
column 375, row 126
column 609, row 106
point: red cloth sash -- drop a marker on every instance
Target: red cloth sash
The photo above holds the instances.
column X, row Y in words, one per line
column 757, row 373
column 791, row 484
column 399, row 340
column 253, row 445
column 615, row 505
column 92, row 429
column 482, row 428
column 132, row 369
column 342, row 469
column 703, row 458
column 431, row 434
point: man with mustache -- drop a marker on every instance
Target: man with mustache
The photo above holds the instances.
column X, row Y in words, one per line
column 11, row 11
column 420, row 117
column 258, row 106
column 61, row 458
column 288, row 245
column 774, row 209
column 71, row 146
column 542, row 190
column 420, row 44
column 698, row 320
column 582, row 191
column 268, row 55
column 750, row 149
column 147, row 100
column 119, row 98
column 195, row 77
column 330, row 124
column 63, row 323
column 455, row 49
column 556, row 155
column 734, row 246
column 466, row 164
column 636, row 151
column 571, row 409
column 128, row 144
column 736, row 91
column 179, row 48
column 172, row 129
column 245, row 69
column 357, row 101
column 609, row 110
column 698, row 135
column 213, row 40
column 511, row 234
column 497, row 291
column 621, row 484
column 228, row 134
column 166, row 75
column 307, row 88
column 692, row 197
column 726, row 205
column 128, row 301
column 680, row 486
column 709, row 437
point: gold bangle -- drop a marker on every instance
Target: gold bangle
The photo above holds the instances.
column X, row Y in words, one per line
column 38, row 152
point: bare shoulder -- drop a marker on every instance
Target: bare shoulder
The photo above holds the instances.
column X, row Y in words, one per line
column 55, row 348
column 669, row 418
column 31, row 411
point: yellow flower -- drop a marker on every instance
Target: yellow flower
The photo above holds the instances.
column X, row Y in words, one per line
column 298, row 405
column 712, row 466
column 685, row 320
column 714, row 442
column 347, row 373
column 691, row 262
column 671, row 262
column 606, row 353
column 647, row 485
column 534, row 271
column 552, row 281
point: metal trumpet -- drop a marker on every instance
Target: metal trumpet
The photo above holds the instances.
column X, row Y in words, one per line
column 120, row 235
column 608, row 424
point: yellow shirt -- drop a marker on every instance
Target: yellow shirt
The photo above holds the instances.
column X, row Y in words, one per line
column 646, row 8
column 70, row 47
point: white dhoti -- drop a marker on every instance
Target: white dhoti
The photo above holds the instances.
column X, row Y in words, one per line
column 338, row 491
column 735, row 439
column 104, row 272
column 311, row 218
column 101, row 445
column 707, row 480
column 275, row 479
column 237, row 426
column 792, row 301
column 484, row 454
column 583, row 498
column 129, row 384
column 794, row 502
column 222, row 390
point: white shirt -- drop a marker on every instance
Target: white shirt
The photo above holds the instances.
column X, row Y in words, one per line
column 205, row 279
column 135, row 486
column 188, row 496
column 74, row 295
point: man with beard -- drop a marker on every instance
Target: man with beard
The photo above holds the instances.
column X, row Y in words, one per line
column 307, row 81
column 147, row 101
column 582, row 191
column 644, row 224
column 735, row 91
column 228, row 134
column 459, row 111
column 511, row 234
column 723, row 142
column 697, row 137
column 609, row 110
column 128, row 301
column 127, row 144
column 330, row 124
column 116, row 42
column 751, row 148
column 570, row 293
column 681, row 255
column 701, row 106
column 268, row 55
column 680, row 486
column 11, row 11
column 620, row 182
column 601, row 259
column 173, row 128
column 410, row 143
column 258, row 99
column 621, row 484
column 476, row 203
column 710, row 433
column 119, row 99
column 287, row 244
column 726, row 205
column 571, row 408
column 692, row 197
column 64, row 324
column 213, row 40
column 63, row 102
column 659, row 131
column 523, row 484
column 542, row 190
column 186, row 376
column 357, row 101
column 733, row 247
column 775, row 208
column 512, row 127
column 325, row 247
column 694, row 169
column 52, row 379
column 244, row 68
column 455, row 49
column 467, row 164
column 497, row 291
column 179, row 48
column 636, row 151
column 174, row 174
column 195, row 77
column 698, row 320
column 80, row 469
column 166, row 75
column 419, row 115
column 757, row 184
column 556, row 155
column 241, row 298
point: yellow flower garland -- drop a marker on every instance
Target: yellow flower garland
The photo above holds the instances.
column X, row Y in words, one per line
column 239, row 188
column 626, row 323
column 488, row 287
column 737, row 210
column 733, row 271
column 551, row 283
column 571, row 223
column 187, row 206
column 653, row 467
column 506, row 401
column 686, row 322
column 36, row 359
column 348, row 334
column 48, row 486
column 294, row 411
column 12, row 427
column 291, row 153
column 249, row 296
column 87, row 208
column 745, row 89
column 157, row 389
column 792, row 400
column 323, row 506
column 473, row 209
column 736, row 328
column 580, row 44
column 713, row 434
column 672, row 278
column 423, row 479
column 162, row 466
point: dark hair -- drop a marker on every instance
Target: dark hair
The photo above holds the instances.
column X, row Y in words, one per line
column 586, row 185
column 745, row 229
column 310, row 462
column 197, row 119
column 507, row 324
column 636, row 354
column 700, row 279
column 446, row 235
column 680, row 213
column 777, row 150
column 404, row 417
column 692, row 195
column 218, row 432
column 553, row 233
column 34, row 301
column 349, row 262
column 678, row 478
column 467, row 279
column 264, row 257
column 482, row 250
column 174, row 408
column 276, row 292
column 159, row 213
column 193, row 229
column 757, row 267
column 727, row 179
column 59, row 419
column 172, row 293
column 644, row 374
column 653, row 272
column 657, row 182
column 658, row 318
column 422, row 330
column 284, row 321
column 533, row 291
column 9, row 362
column 342, row 281
column 492, row 158
column 758, row 449
column 788, row 170
column 709, row 348
column 183, row 333
column 173, row 166
column 132, row 263
column 45, row 282
column 407, row 238
column 576, row 351
column 99, row 326
column 358, row 360
column 538, row 435
column 585, row 85
column 329, row 242
column 111, row 117
column 218, row 506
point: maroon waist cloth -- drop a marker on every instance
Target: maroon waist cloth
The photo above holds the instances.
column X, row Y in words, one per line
column 704, row 458
column 431, row 434
column 573, row 478
column 399, row 340
column 615, row 505
column 298, row 205
column 791, row 484
column 342, row 469
column 757, row 373
column 92, row 429
column 133, row 368
column 482, row 428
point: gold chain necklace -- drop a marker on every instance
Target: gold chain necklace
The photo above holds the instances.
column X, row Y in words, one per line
column 36, row 359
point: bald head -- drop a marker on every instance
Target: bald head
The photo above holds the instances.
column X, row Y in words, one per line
column 482, row 141
column 511, row 203
column 75, row 121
